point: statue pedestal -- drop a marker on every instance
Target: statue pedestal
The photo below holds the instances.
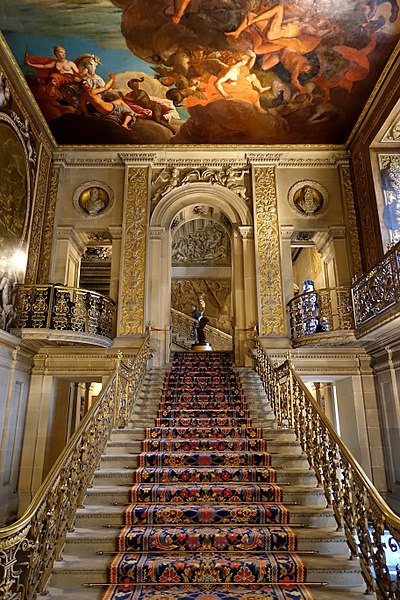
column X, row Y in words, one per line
column 204, row 347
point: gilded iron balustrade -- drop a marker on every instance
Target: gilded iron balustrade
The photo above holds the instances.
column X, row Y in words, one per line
column 331, row 307
column 182, row 333
column 378, row 290
column 29, row 547
column 61, row 308
column 358, row 507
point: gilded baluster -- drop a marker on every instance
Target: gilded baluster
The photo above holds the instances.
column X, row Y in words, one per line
column 78, row 312
column 40, row 309
column 60, row 310
column 22, row 306
column 378, row 556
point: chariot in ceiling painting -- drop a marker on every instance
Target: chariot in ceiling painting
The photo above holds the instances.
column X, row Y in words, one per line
column 202, row 71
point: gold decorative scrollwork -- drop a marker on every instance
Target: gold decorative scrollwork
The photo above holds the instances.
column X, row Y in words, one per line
column 131, row 321
column 369, row 242
column 44, row 265
column 270, row 280
column 351, row 219
column 38, row 217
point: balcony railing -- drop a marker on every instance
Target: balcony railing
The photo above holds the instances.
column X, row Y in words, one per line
column 358, row 507
column 29, row 547
column 41, row 309
column 378, row 291
column 330, row 308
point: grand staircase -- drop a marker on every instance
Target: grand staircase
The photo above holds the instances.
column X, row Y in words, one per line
column 216, row 496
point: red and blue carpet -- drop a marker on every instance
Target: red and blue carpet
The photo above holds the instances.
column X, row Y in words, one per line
column 206, row 519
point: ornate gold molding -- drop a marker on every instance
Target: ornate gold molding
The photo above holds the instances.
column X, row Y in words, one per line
column 270, row 280
column 351, row 219
column 369, row 242
column 39, row 206
column 131, row 319
column 48, row 230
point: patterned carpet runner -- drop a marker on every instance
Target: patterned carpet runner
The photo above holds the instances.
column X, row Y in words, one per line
column 206, row 519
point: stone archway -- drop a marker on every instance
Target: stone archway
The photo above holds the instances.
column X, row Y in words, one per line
column 244, row 297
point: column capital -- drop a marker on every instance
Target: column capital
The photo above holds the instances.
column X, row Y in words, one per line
column 287, row 232
column 156, row 233
column 246, row 232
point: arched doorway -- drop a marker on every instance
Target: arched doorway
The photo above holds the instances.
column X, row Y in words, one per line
column 225, row 211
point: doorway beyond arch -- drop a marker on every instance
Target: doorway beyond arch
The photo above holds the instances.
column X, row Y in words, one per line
column 177, row 208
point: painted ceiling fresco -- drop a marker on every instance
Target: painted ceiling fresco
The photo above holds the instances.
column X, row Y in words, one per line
column 201, row 71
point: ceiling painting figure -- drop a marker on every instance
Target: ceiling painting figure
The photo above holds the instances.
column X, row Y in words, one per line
column 205, row 71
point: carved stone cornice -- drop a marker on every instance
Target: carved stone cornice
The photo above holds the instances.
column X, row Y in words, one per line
column 137, row 158
column 287, row 160
column 199, row 162
column 81, row 161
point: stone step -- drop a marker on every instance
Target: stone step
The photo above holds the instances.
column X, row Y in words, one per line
column 292, row 476
column 119, row 493
column 104, row 516
column 84, row 541
column 95, row 593
column 131, row 459
column 276, row 448
column 76, row 570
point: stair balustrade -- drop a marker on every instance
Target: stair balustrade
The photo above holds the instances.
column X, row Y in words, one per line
column 30, row 546
column 358, row 507
column 182, row 333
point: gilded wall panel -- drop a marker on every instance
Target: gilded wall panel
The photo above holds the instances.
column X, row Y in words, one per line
column 48, row 230
column 370, row 244
column 131, row 320
column 39, row 210
column 269, row 271
column 351, row 220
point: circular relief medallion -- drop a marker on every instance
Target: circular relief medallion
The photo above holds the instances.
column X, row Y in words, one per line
column 308, row 198
column 93, row 199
